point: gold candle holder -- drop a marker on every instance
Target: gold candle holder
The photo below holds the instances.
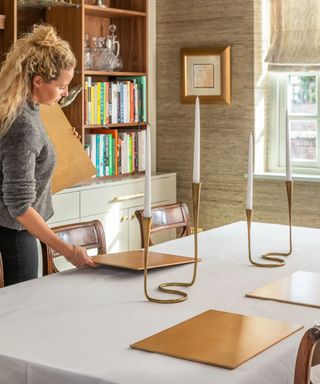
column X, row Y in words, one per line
column 277, row 261
column 269, row 255
column 196, row 188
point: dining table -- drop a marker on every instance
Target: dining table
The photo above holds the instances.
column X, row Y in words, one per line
column 76, row 326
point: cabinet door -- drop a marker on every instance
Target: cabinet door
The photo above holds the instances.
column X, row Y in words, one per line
column 115, row 224
column 134, row 230
column 66, row 208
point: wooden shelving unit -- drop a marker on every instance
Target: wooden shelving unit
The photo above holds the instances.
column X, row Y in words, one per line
column 73, row 22
column 120, row 125
column 2, row 21
column 104, row 73
column 93, row 10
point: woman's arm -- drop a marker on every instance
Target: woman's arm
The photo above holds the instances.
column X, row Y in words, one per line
column 34, row 223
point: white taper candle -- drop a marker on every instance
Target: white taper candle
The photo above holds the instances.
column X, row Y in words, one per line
column 288, row 150
column 250, row 173
column 147, row 186
column 196, row 151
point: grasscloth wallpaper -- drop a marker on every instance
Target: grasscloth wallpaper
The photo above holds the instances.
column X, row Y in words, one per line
column 224, row 128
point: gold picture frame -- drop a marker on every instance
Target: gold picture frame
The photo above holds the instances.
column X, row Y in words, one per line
column 206, row 72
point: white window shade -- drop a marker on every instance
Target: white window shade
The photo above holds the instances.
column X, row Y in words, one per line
column 295, row 36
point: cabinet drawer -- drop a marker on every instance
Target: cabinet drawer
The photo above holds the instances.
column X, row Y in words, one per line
column 99, row 200
column 66, row 207
column 126, row 195
column 164, row 189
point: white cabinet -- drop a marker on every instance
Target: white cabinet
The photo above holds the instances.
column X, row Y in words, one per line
column 134, row 229
column 115, row 227
column 66, row 206
column 113, row 203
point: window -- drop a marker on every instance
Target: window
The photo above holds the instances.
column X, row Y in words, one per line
column 300, row 92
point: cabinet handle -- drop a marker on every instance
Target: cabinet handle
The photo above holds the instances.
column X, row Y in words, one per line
column 127, row 197
column 133, row 216
column 124, row 218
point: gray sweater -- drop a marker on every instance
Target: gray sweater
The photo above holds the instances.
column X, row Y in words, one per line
column 27, row 160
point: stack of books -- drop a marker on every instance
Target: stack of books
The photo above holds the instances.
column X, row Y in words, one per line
column 115, row 153
column 115, row 102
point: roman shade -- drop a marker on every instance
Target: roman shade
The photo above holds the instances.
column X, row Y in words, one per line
column 294, row 36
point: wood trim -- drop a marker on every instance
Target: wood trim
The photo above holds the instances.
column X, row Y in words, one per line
column 103, row 73
column 88, row 234
column 177, row 215
column 308, row 355
column 2, row 21
column 118, row 125
column 8, row 35
column 92, row 10
column 62, row 18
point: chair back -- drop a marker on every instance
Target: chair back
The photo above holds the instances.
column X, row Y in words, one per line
column 308, row 355
column 1, row 273
column 164, row 217
column 89, row 234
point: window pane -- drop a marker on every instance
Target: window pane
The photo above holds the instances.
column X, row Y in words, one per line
column 302, row 94
column 303, row 137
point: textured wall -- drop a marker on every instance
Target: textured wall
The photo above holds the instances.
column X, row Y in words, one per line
column 225, row 129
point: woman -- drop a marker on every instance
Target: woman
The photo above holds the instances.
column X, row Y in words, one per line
column 37, row 70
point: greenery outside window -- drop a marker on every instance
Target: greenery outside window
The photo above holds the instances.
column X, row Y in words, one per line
column 299, row 94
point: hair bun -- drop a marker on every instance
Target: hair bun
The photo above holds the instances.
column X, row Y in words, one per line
column 44, row 36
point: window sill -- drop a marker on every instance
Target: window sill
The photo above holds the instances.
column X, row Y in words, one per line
column 281, row 177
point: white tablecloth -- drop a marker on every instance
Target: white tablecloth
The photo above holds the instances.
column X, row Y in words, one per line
column 76, row 326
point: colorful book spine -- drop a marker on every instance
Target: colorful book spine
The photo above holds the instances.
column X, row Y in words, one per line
column 110, row 155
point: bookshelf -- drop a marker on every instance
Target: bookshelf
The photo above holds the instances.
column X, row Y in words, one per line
column 2, row 21
column 73, row 22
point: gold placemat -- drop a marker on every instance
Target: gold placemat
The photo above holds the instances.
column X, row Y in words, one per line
column 73, row 164
column 218, row 338
column 301, row 287
column 135, row 260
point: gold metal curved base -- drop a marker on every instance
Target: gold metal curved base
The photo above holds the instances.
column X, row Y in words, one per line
column 269, row 255
column 277, row 261
column 196, row 187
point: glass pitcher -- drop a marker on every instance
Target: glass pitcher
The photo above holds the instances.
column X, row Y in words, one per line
column 111, row 56
column 88, row 57
column 98, row 53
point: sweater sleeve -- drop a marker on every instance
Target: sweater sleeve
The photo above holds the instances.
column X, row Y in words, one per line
column 18, row 155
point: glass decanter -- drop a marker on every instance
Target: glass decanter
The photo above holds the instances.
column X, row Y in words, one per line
column 111, row 59
column 88, row 57
column 97, row 54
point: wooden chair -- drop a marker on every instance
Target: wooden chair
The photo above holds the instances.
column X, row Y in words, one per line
column 164, row 217
column 308, row 355
column 1, row 273
column 89, row 234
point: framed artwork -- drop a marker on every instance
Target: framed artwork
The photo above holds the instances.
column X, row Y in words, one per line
column 206, row 72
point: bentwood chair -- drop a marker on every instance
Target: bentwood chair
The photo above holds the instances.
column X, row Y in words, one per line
column 89, row 234
column 165, row 217
column 1, row 273
column 308, row 355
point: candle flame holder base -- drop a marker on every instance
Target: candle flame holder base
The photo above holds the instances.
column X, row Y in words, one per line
column 277, row 261
column 266, row 256
column 196, row 188
column 272, row 256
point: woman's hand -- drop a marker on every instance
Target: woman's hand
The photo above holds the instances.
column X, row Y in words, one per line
column 80, row 258
column 35, row 224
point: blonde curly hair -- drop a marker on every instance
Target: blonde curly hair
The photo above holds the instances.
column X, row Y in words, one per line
column 40, row 52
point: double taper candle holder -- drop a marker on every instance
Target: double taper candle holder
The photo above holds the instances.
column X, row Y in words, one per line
column 271, row 256
column 196, row 188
